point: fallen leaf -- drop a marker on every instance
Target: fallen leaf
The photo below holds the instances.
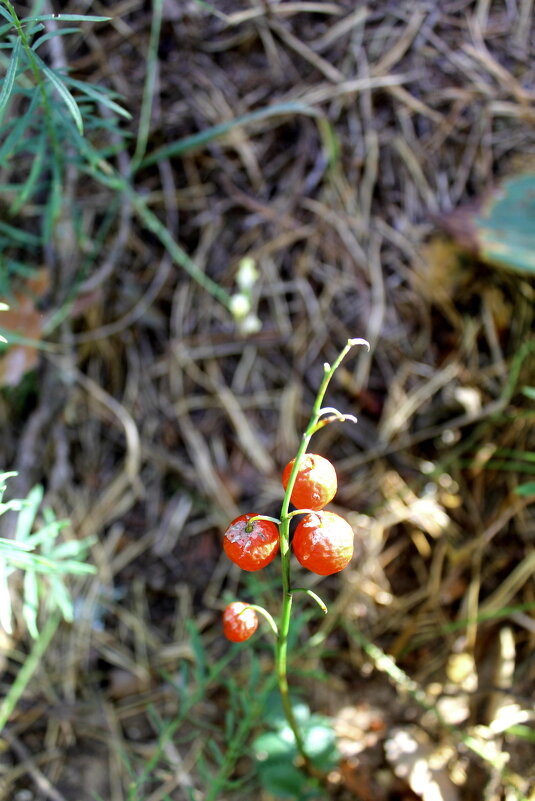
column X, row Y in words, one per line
column 23, row 319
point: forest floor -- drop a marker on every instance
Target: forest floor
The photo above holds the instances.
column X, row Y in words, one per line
column 165, row 415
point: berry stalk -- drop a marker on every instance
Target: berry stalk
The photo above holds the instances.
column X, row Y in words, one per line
column 281, row 652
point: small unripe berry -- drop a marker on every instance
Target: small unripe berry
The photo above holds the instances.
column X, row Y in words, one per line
column 239, row 622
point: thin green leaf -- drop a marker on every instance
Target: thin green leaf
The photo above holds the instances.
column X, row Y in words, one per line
column 53, row 206
column 51, row 34
column 31, row 603
column 99, row 96
column 31, row 561
column 67, row 18
column 5, row 13
column 73, row 548
column 150, row 83
column 60, row 597
column 524, row 732
column 30, row 184
column 33, row 29
column 10, row 473
column 26, row 517
column 47, row 535
column 64, row 93
column 515, row 454
column 216, row 751
column 13, row 545
column 25, row 672
column 17, row 339
column 198, row 650
column 11, row 506
column 5, row 599
column 74, row 568
column 189, row 143
column 9, row 80
column 18, row 235
column 16, row 139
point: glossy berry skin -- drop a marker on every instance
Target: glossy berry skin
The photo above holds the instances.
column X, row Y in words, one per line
column 316, row 482
column 239, row 622
column 323, row 543
column 251, row 550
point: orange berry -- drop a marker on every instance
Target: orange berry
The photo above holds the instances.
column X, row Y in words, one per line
column 316, row 482
column 239, row 622
column 323, row 543
column 254, row 549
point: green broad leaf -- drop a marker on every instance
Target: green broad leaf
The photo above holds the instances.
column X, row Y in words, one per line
column 275, row 754
column 320, row 742
column 525, row 490
column 274, row 716
column 274, row 745
column 9, row 80
column 529, row 392
column 64, row 93
column 30, row 605
column 283, row 779
column 275, row 751
column 505, row 229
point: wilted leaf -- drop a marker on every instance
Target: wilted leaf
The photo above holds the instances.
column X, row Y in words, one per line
column 23, row 319
column 499, row 228
column 505, row 229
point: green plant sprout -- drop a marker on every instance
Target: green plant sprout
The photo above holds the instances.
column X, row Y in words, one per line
column 42, row 559
column 325, row 547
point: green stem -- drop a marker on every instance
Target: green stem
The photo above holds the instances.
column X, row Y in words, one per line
column 281, row 654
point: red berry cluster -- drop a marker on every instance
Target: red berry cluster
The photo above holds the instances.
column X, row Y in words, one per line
column 322, row 542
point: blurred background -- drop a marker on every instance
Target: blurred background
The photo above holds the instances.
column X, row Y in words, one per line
column 253, row 183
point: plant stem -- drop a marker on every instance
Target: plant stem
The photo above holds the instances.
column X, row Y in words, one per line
column 281, row 653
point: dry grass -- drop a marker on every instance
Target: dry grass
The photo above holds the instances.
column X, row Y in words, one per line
column 171, row 422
